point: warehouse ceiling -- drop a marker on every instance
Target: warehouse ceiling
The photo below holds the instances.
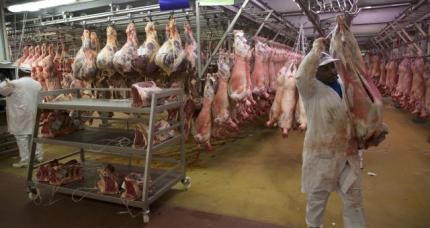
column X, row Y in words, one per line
column 367, row 25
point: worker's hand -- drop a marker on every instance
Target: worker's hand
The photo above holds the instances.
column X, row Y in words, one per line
column 319, row 44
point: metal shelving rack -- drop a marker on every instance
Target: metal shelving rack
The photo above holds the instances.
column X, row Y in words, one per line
column 91, row 139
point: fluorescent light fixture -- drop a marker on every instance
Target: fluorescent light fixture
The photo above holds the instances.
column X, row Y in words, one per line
column 36, row 6
column 367, row 7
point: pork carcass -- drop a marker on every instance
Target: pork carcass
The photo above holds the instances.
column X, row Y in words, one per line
column 259, row 75
column 276, row 110
column 363, row 98
column 288, row 101
column 50, row 73
column 105, row 57
column 171, row 53
column 418, row 88
column 300, row 115
column 108, row 180
column 221, row 103
column 122, row 60
column 203, row 122
column 144, row 62
column 238, row 84
column 84, row 66
column 141, row 93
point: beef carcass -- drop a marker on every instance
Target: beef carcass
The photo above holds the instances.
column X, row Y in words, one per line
column 144, row 62
column 383, row 75
column 190, row 45
column 95, row 44
column 363, row 98
column 238, row 86
column 141, row 93
column 375, row 68
column 108, row 180
column 427, row 84
column 203, row 122
column 171, row 53
column 288, row 101
column 84, row 66
column 418, row 88
column 259, row 75
column 122, row 60
column 405, row 81
column 105, row 57
column 221, row 103
column 49, row 70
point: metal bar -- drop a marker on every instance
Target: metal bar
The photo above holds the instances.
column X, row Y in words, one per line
column 264, row 21
column 278, row 18
column 401, row 36
column 147, row 174
column 181, row 121
column 410, row 39
column 428, row 41
column 420, row 29
column 33, row 150
column 311, row 16
column 170, row 141
column 57, row 158
column 174, row 126
column 4, row 46
column 199, row 59
column 165, row 174
column 229, row 28
column 276, row 36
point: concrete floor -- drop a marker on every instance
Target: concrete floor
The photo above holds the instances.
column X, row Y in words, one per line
column 256, row 177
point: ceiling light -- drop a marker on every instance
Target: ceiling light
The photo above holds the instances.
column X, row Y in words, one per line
column 36, row 6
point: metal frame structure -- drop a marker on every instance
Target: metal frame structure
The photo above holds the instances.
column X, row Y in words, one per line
column 92, row 139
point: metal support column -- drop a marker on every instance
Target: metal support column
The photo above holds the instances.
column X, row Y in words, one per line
column 276, row 36
column 229, row 28
column 4, row 46
column 199, row 56
column 418, row 26
column 262, row 24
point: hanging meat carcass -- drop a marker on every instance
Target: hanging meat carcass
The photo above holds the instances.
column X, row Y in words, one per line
column 221, row 103
column 123, row 58
column 363, row 98
column 50, row 73
column 84, row 66
column 144, row 62
column 260, row 77
column 392, row 74
column 418, row 89
column 95, row 44
column 203, row 122
column 375, row 68
column 171, row 53
column 288, row 101
column 383, row 76
column 37, row 68
column 25, row 53
column 29, row 56
column 275, row 110
column 106, row 55
column 427, row 84
column 238, row 82
column 404, row 83
column 190, row 45
column 300, row 115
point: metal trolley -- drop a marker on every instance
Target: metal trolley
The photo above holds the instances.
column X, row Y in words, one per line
column 91, row 139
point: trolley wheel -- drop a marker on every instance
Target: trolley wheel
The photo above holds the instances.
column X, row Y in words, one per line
column 146, row 217
column 186, row 182
column 33, row 193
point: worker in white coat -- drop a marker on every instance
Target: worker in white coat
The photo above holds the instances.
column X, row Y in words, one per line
column 21, row 106
column 330, row 151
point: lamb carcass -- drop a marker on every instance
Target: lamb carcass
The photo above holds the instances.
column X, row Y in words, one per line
column 122, row 60
column 221, row 103
column 300, row 115
column 375, row 68
column 288, row 101
column 363, row 98
column 84, row 66
column 105, row 57
column 260, row 77
column 203, row 122
column 29, row 56
column 237, row 87
column 25, row 53
column 144, row 62
column 383, row 75
column 276, row 110
column 171, row 53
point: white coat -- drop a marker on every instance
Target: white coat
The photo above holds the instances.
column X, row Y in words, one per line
column 21, row 104
column 329, row 141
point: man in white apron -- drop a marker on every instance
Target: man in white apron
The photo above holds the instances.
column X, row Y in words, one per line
column 21, row 106
column 330, row 152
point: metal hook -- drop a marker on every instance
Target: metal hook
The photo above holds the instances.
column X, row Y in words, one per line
column 171, row 15
column 149, row 15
